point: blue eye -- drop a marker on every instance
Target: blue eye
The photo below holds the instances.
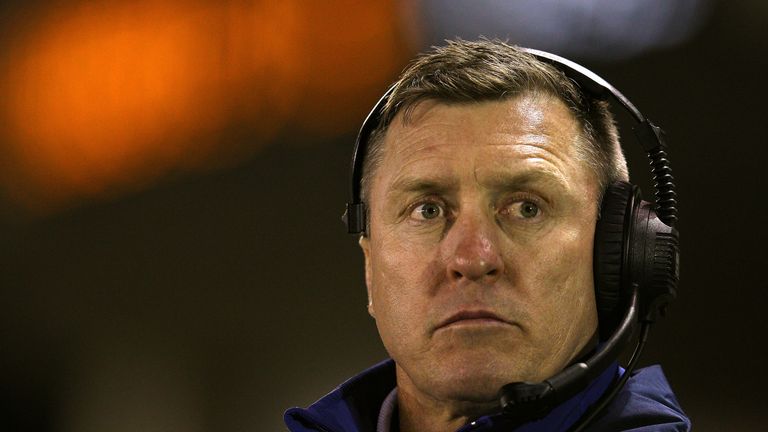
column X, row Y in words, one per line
column 428, row 211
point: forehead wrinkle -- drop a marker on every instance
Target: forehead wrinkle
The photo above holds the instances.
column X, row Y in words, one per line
column 548, row 129
column 424, row 157
column 427, row 143
column 420, row 165
column 561, row 156
column 423, row 124
column 528, row 176
column 426, row 166
column 541, row 166
column 535, row 155
column 543, row 150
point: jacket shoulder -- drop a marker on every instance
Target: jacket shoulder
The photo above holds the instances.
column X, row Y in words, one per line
column 646, row 403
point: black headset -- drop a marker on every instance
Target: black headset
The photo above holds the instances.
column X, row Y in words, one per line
column 636, row 257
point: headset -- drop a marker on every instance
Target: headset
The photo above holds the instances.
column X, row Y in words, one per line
column 636, row 257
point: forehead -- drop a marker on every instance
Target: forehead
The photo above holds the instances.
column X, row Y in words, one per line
column 483, row 141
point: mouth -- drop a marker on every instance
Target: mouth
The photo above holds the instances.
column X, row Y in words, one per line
column 473, row 318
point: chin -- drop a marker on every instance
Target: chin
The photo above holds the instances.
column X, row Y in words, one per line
column 475, row 378
column 479, row 388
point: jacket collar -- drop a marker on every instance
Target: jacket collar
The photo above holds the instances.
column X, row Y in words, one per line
column 354, row 406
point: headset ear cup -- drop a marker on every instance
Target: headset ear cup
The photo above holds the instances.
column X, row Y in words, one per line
column 610, row 250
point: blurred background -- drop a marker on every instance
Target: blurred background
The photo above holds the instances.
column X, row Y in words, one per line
column 172, row 175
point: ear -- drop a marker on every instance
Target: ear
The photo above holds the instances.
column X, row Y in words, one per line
column 365, row 245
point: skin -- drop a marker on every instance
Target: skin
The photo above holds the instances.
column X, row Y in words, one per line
column 478, row 262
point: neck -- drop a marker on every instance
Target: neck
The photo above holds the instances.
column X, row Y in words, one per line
column 419, row 412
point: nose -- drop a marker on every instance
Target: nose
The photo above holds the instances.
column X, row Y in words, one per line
column 473, row 251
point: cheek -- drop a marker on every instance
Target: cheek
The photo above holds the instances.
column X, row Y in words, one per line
column 561, row 281
column 571, row 245
column 403, row 271
column 571, row 257
column 401, row 286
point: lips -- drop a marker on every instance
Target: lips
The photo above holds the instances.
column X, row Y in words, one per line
column 477, row 316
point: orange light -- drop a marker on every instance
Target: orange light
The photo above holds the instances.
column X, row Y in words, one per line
column 100, row 99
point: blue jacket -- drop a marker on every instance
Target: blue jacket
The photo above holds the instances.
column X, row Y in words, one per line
column 646, row 403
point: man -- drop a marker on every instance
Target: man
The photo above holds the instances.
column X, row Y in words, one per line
column 482, row 184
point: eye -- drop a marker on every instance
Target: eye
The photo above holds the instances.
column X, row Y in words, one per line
column 427, row 211
column 522, row 209
column 528, row 209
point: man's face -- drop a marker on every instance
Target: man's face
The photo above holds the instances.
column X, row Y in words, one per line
column 479, row 255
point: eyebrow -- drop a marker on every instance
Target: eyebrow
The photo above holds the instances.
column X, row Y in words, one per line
column 527, row 178
column 436, row 185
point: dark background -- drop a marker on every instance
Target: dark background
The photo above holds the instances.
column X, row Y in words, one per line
column 214, row 301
